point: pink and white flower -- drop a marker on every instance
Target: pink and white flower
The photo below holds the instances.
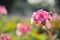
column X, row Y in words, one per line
column 40, row 16
column 4, row 37
column 3, row 10
column 23, row 29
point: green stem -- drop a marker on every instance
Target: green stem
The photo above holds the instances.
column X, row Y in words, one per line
column 50, row 35
column 22, row 37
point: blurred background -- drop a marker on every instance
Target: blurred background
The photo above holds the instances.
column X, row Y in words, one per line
column 26, row 7
column 22, row 10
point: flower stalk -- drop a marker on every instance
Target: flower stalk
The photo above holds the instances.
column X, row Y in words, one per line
column 49, row 34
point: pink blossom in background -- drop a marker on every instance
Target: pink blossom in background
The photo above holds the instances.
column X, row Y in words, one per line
column 23, row 29
column 3, row 10
column 58, row 17
column 40, row 16
column 4, row 37
column 55, row 16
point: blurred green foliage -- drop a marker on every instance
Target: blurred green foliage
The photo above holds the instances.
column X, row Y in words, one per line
column 8, row 25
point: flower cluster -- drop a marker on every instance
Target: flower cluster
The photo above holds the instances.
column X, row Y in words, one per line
column 23, row 29
column 4, row 37
column 42, row 17
column 3, row 10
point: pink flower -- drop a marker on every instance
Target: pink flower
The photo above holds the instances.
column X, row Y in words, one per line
column 56, row 16
column 5, row 37
column 40, row 16
column 22, row 29
column 3, row 10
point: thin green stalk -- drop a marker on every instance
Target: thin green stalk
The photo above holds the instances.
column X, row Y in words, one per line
column 50, row 35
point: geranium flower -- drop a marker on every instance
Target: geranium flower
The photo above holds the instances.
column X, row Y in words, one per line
column 3, row 10
column 5, row 37
column 43, row 17
column 23, row 29
column 40, row 16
